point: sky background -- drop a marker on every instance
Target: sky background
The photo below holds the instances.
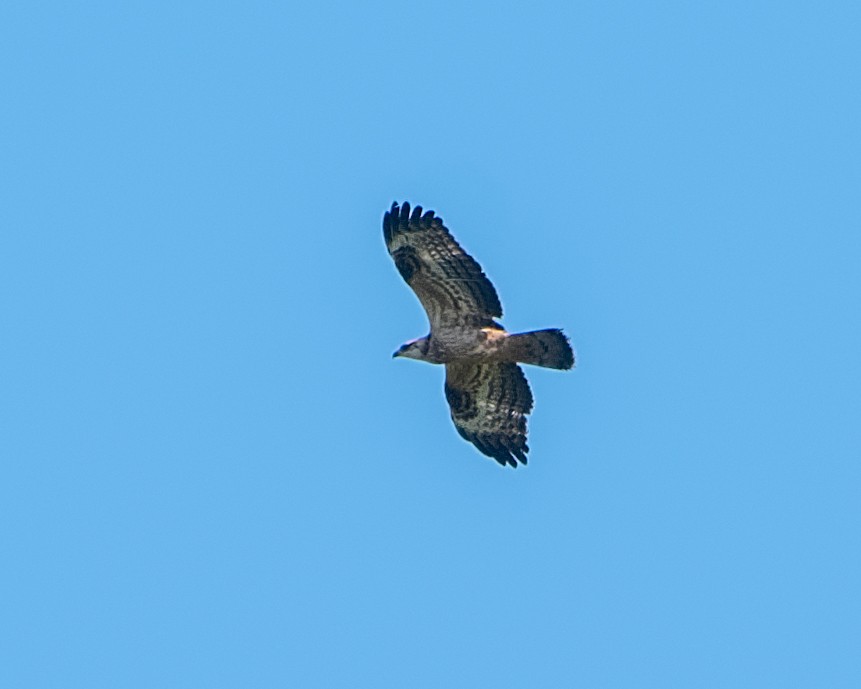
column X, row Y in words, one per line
column 213, row 473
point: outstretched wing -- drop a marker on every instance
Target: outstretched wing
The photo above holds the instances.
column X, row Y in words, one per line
column 448, row 282
column 489, row 403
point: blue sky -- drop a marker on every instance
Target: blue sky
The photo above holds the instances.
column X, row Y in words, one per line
column 213, row 473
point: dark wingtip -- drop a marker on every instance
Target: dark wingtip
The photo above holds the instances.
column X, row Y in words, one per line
column 396, row 218
column 401, row 216
column 387, row 222
column 504, row 453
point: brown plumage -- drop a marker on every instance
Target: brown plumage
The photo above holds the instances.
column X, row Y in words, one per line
column 486, row 390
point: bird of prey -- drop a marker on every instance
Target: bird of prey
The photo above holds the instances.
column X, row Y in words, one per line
column 485, row 388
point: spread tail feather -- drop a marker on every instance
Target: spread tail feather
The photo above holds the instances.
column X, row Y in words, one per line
column 549, row 348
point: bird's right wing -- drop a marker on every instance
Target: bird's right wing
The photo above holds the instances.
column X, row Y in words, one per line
column 489, row 403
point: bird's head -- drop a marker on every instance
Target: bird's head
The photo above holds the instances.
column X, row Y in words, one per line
column 414, row 349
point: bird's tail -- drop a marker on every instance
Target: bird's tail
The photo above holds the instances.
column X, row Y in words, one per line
column 549, row 348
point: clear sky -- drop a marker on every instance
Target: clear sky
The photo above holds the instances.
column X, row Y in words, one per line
column 214, row 474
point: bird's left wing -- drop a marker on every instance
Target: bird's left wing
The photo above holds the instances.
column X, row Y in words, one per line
column 489, row 403
column 449, row 283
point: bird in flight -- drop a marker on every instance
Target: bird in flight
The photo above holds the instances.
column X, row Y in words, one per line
column 485, row 388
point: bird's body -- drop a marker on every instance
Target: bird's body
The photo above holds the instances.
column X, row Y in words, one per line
column 486, row 390
column 460, row 343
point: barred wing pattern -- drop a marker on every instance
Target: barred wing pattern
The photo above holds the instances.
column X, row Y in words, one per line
column 449, row 283
column 489, row 403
